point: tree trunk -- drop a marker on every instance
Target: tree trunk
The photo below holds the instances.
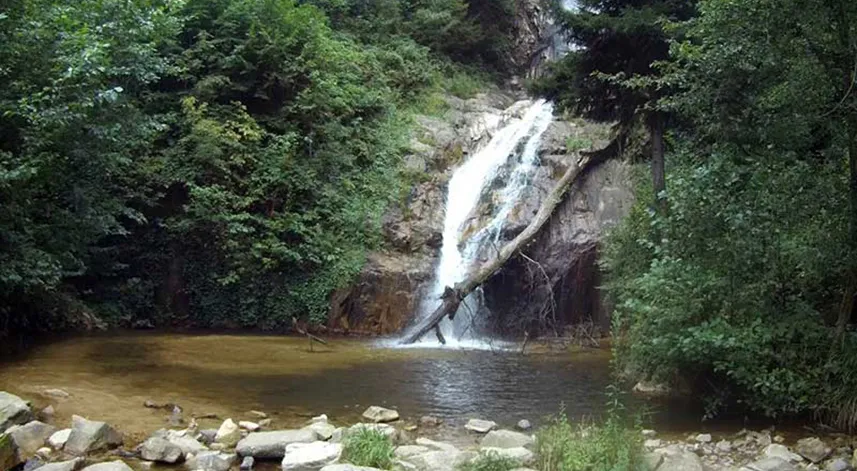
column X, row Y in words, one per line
column 452, row 297
column 656, row 132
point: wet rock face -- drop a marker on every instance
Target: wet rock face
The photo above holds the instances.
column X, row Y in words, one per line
column 386, row 294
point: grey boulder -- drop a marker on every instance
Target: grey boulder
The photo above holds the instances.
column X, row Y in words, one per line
column 13, row 411
column 212, row 461
column 160, row 450
column 812, row 449
column 771, row 463
column 480, row 426
column 310, row 456
column 90, row 435
column 379, row 414
column 70, row 465
column 117, row 465
column 273, row 444
column 30, row 437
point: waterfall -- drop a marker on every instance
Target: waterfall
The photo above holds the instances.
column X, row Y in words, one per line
column 514, row 146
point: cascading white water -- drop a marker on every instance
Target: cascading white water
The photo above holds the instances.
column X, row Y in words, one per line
column 466, row 188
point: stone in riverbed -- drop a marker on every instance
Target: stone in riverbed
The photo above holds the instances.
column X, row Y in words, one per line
column 160, row 450
column 838, row 464
column 703, row 438
column 228, row 434
column 680, row 460
column 506, row 439
column 69, row 465
column 56, row 393
column 322, row 427
column 212, row 461
column 8, row 452
column 90, row 435
column 379, row 414
column 524, row 424
column 480, row 426
column 405, row 451
column 30, row 437
column 258, row 414
column 117, row 465
column 429, row 421
column 249, row 426
column 520, row 455
column 247, row 463
column 347, row 467
column 441, row 460
column 181, row 439
column 812, row 449
column 441, row 446
column 13, row 411
column 770, row 463
column 310, row 456
column 58, row 439
column 273, row 444
column 775, row 450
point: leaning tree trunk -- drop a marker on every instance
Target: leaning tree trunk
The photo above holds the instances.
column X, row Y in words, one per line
column 452, row 297
column 656, row 131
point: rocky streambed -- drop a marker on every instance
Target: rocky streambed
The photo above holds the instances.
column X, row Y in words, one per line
column 32, row 440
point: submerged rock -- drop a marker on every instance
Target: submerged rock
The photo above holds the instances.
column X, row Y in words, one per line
column 429, row 421
column 379, row 414
column 90, row 435
column 310, row 456
column 273, row 444
column 506, row 439
column 524, row 424
column 480, row 426
column 13, row 411
column 56, row 393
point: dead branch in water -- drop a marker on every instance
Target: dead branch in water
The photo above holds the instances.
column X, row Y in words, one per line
column 308, row 335
column 452, row 297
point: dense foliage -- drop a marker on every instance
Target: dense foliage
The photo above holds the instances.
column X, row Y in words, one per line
column 206, row 162
column 743, row 284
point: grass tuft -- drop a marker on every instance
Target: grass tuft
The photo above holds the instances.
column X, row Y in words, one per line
column 611, row 446
column 489, row 461
column 370, row 448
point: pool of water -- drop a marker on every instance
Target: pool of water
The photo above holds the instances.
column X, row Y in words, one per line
column 110, row 376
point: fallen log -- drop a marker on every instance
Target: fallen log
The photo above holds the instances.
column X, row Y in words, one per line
column 452, row 297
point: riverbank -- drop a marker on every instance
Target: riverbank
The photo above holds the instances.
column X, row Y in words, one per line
column 35, row 439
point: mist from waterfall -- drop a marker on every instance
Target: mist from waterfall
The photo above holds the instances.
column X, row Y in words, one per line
column 513, row 146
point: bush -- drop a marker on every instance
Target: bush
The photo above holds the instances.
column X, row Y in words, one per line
column 611, row 446
column 368, row 447
column 489, row 461
column 734, row 289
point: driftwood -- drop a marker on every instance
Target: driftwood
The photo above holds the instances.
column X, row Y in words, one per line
column 452, row 297
column 308, row 335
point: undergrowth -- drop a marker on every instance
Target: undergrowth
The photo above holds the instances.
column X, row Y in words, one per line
column 489, row 461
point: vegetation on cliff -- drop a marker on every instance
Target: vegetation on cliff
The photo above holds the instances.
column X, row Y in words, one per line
column 736, row 273
column 209, row 162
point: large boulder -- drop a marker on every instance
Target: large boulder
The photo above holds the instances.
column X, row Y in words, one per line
column 310, row 456
column 90, row 435
column 13, row 411
column 228, row 434
column 680, row 460
column 273, row 444
column 70, row 465
column 30, row 437
column 507, row 439
column 775, row 450
column 439, row 460
column 117, row 465
column 379, row 414
column 8, row 453
column 212, row 461
column 813, row 449
column 183, row 440
column 160, row 450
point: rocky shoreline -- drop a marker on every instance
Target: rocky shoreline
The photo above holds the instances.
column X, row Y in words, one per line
column 31, row 440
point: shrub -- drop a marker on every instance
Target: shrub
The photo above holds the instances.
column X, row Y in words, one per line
column 368, row 447
column 611, row 446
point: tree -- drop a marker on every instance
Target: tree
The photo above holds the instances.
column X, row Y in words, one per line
column 611, row 75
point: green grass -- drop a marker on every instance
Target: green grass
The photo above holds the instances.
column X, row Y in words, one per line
column 610, row 446
column 489, row 461
column 368, row 448
column 576, row 144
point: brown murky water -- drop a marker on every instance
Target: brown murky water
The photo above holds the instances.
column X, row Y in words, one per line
column 110, row 376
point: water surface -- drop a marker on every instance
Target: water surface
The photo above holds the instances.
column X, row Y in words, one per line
column 110, row 376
